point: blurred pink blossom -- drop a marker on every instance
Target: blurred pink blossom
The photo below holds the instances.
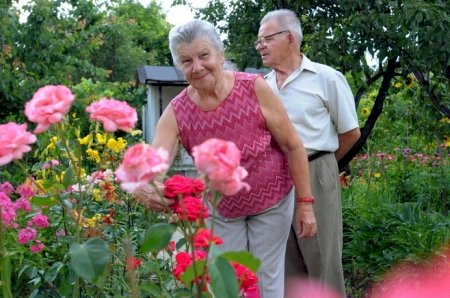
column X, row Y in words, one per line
column 26, row 235
column 8, row 210
column 22, row 203
column 113, row 114
column 48, row 106
column 140, row 165
column 37, row 247
column 7, row 188
column 220, row 161
column 14, row 141
column 40, row 221
column 308, row 288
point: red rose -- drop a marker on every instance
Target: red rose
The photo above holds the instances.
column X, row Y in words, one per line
column 184, row 260
column 246, row 278
column 133, row 263
column 204, row 238
column 183, row 186
column 191, row 209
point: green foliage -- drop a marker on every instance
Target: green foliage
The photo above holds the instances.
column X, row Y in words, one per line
column 64, row 42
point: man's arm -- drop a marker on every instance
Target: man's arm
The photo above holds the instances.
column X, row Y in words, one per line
column 346, row 142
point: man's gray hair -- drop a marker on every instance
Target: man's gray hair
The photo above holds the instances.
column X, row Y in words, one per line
column 190, row 31
column 287, row 20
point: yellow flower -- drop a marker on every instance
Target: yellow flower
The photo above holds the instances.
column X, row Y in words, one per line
column 118, row 145
column 136, row 132
column 377, row 175
column 101, row 138
column 85, row 140
column 93, row 154
column 398, row 85
column 372, row 95
column 445, row 119
column 97, row 195
column 52, row 143
column 409, row 80
column 365, row 111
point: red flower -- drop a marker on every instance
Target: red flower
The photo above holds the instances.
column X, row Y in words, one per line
column 204, row 238
column 183, row 186
column 133, row 263
column 170, row 248
column 246, row 278
column 108, row 219
column 191, row 209
column 184, row 260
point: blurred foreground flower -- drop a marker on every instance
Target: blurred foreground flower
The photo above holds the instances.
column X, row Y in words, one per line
column 114, row 114
column 220, row 161
column 140, row 165
column 14, row 141
column 48, row 106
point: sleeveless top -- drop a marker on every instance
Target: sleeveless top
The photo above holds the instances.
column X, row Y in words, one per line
column 239, row 119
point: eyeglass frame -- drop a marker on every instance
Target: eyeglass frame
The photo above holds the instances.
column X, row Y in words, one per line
column 264, row 44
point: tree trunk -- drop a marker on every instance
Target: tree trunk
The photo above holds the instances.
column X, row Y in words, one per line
column 374, row 114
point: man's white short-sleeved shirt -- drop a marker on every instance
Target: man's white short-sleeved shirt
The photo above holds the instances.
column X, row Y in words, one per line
column 319, row 103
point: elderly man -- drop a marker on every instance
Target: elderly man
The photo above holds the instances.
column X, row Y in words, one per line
column 320, row 104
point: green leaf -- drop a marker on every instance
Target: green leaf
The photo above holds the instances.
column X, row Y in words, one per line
column 157, row 237
column 244, row 258
column 68, row 177
column 44, row 200
column 51, row 274
column 89, row 259
column 223, row 278
column 189, row 275
column 151, row 288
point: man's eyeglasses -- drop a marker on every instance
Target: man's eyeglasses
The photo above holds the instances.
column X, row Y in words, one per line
column 264, row 40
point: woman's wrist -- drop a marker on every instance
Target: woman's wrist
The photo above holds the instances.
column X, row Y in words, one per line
column 306, row 200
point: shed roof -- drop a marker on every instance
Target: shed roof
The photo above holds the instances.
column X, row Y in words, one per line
column 160, row 75
column 170, row 75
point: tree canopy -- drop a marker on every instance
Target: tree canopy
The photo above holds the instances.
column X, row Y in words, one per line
column 62, row 41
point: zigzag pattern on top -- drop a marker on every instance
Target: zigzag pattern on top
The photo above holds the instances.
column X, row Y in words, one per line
column 239, row 119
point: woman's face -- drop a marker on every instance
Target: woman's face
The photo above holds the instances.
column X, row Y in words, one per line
column 201, row 63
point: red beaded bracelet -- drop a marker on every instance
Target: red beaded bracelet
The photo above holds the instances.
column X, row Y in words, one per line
column 305, row 200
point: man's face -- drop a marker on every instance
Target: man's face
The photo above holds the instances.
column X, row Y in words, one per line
column 272, row 43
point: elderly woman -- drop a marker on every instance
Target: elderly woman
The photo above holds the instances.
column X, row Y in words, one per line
column 241, row 108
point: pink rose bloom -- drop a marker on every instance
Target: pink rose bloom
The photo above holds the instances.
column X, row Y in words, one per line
column 140, row 165
column 48, row 106
column 220, row 161
column 26, row 235
column 37, row 247
column 53, row 162
column 113, row 114
column 14, row 141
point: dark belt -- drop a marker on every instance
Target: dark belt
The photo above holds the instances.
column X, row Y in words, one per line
column 317, row 155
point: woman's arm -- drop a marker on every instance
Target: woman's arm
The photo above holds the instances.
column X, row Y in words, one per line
column 167, row 137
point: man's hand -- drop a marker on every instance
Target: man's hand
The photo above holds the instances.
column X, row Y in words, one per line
column 305, row 220
column 149, row 197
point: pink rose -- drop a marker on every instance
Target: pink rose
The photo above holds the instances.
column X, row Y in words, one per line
column 141, row 164
column 220, row 161
column 48, row 106
column 14, row 141
column 113, row 114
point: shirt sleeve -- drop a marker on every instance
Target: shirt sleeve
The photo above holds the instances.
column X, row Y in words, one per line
column 341, row 103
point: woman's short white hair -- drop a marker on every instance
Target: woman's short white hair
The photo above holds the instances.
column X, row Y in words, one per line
column 190, row 31
column 287, row 20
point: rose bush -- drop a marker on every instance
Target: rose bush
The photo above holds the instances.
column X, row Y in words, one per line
column 73, row 228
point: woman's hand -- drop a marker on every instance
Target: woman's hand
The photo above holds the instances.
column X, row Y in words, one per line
column 149, row 197
column 305, row 221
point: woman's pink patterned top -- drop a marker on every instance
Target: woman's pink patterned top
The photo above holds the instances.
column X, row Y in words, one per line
column 239, row 119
